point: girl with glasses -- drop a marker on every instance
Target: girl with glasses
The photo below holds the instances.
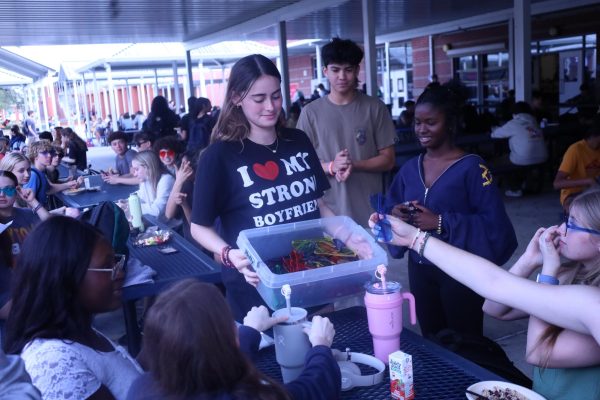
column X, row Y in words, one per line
column 23, row 219
column 169, row 150
column 563, row 338
column 155, row 182
column 57, row 291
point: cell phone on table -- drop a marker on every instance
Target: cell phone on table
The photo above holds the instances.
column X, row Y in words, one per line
column 168, row 250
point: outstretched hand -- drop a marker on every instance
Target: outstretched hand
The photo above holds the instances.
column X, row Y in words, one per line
column 402, row 233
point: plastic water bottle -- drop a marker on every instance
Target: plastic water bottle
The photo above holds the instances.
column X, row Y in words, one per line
column 135, row 208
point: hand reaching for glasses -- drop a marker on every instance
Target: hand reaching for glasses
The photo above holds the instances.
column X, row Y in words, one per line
column 549, row 243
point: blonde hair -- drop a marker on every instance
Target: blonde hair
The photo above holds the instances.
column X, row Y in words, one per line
column 155, row 168
column 10, row 160
column 587, row 205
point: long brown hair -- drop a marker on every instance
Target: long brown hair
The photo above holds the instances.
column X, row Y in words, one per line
column 587, row 205
column 190, row 347
column 232, row 124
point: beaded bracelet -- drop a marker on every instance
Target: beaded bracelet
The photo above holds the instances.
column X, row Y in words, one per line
column 412, row 245
column 225, row 257
column 423, row 243
column 439, row 227
column 330, row 168
column 36, row 208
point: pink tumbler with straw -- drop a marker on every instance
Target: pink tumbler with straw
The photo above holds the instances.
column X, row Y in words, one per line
column 384, row 313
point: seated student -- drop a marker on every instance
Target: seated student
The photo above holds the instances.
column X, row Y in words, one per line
column 192, row 350
column 561, row 325
column 75, row 148
column 169, row 149
column 17, row 140
column 23, row 220
column 143, row 141
column 52, row 172
column 560, row 357
column 155, row 182
column 56, row 292
column 526, row 142
column 580, row 166
column 181, row 196
column 123, row 158
column 40, row 156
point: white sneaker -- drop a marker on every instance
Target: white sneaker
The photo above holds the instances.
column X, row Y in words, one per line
column 513, row 193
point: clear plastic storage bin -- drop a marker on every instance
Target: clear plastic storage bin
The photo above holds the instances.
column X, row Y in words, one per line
column 317, row 286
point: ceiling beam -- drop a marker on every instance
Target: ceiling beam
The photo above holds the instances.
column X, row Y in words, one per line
column 286, row 13
column 482, row 20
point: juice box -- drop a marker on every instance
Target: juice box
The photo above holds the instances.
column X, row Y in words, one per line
column 401, row 376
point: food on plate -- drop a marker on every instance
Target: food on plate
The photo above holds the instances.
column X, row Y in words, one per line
column 498, row 393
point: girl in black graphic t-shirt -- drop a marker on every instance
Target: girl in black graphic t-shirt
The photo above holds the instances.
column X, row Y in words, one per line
column 255, row 173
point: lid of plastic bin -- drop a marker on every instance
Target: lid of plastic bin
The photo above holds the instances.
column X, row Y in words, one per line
column 377, row 288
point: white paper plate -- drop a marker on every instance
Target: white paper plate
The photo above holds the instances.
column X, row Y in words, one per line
column 481, row 386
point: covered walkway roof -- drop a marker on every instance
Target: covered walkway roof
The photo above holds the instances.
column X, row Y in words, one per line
column 19, row 70
column 198, row 23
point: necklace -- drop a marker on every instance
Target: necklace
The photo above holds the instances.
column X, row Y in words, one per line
column 276, row 145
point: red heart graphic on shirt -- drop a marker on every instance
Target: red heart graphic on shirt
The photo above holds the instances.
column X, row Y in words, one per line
column 268, row 171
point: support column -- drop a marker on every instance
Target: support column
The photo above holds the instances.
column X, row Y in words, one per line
column 45, row 103
column 176, row 87
column 67, row 102
column 155, row 83
column 85, row 107
column 285, row 72
column 522, row 50
column 387, row 76
column 111, row 99
column 53, row 101
column 511, row 55
column 77, row 113
column 319, row 62
column 129, row 97
column 189, row 75
column 97, row 100
column 431, row 56
column 368, row 20
column 202, row 79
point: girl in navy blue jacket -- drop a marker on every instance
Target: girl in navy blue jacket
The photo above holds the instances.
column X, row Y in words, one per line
column 453, row 196
column 193, row 351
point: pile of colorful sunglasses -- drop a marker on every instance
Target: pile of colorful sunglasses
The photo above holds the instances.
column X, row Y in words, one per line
column 309, row 254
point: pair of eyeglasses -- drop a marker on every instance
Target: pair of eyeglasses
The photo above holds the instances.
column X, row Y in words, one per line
column 141, row 143
column 119, row 264
column 8, row 191
column 574, row 227
column 383, row 227
column 48, row 153
column 166, row 153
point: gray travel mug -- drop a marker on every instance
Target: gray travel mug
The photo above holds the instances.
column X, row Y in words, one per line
column 291, row 343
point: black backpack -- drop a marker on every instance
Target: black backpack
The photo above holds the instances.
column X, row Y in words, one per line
column 199, row 133
column 111, row 221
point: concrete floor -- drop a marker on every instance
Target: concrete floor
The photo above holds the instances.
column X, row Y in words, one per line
column 527, row 214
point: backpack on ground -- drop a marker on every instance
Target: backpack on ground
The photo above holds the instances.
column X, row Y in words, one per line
column 112, row 222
